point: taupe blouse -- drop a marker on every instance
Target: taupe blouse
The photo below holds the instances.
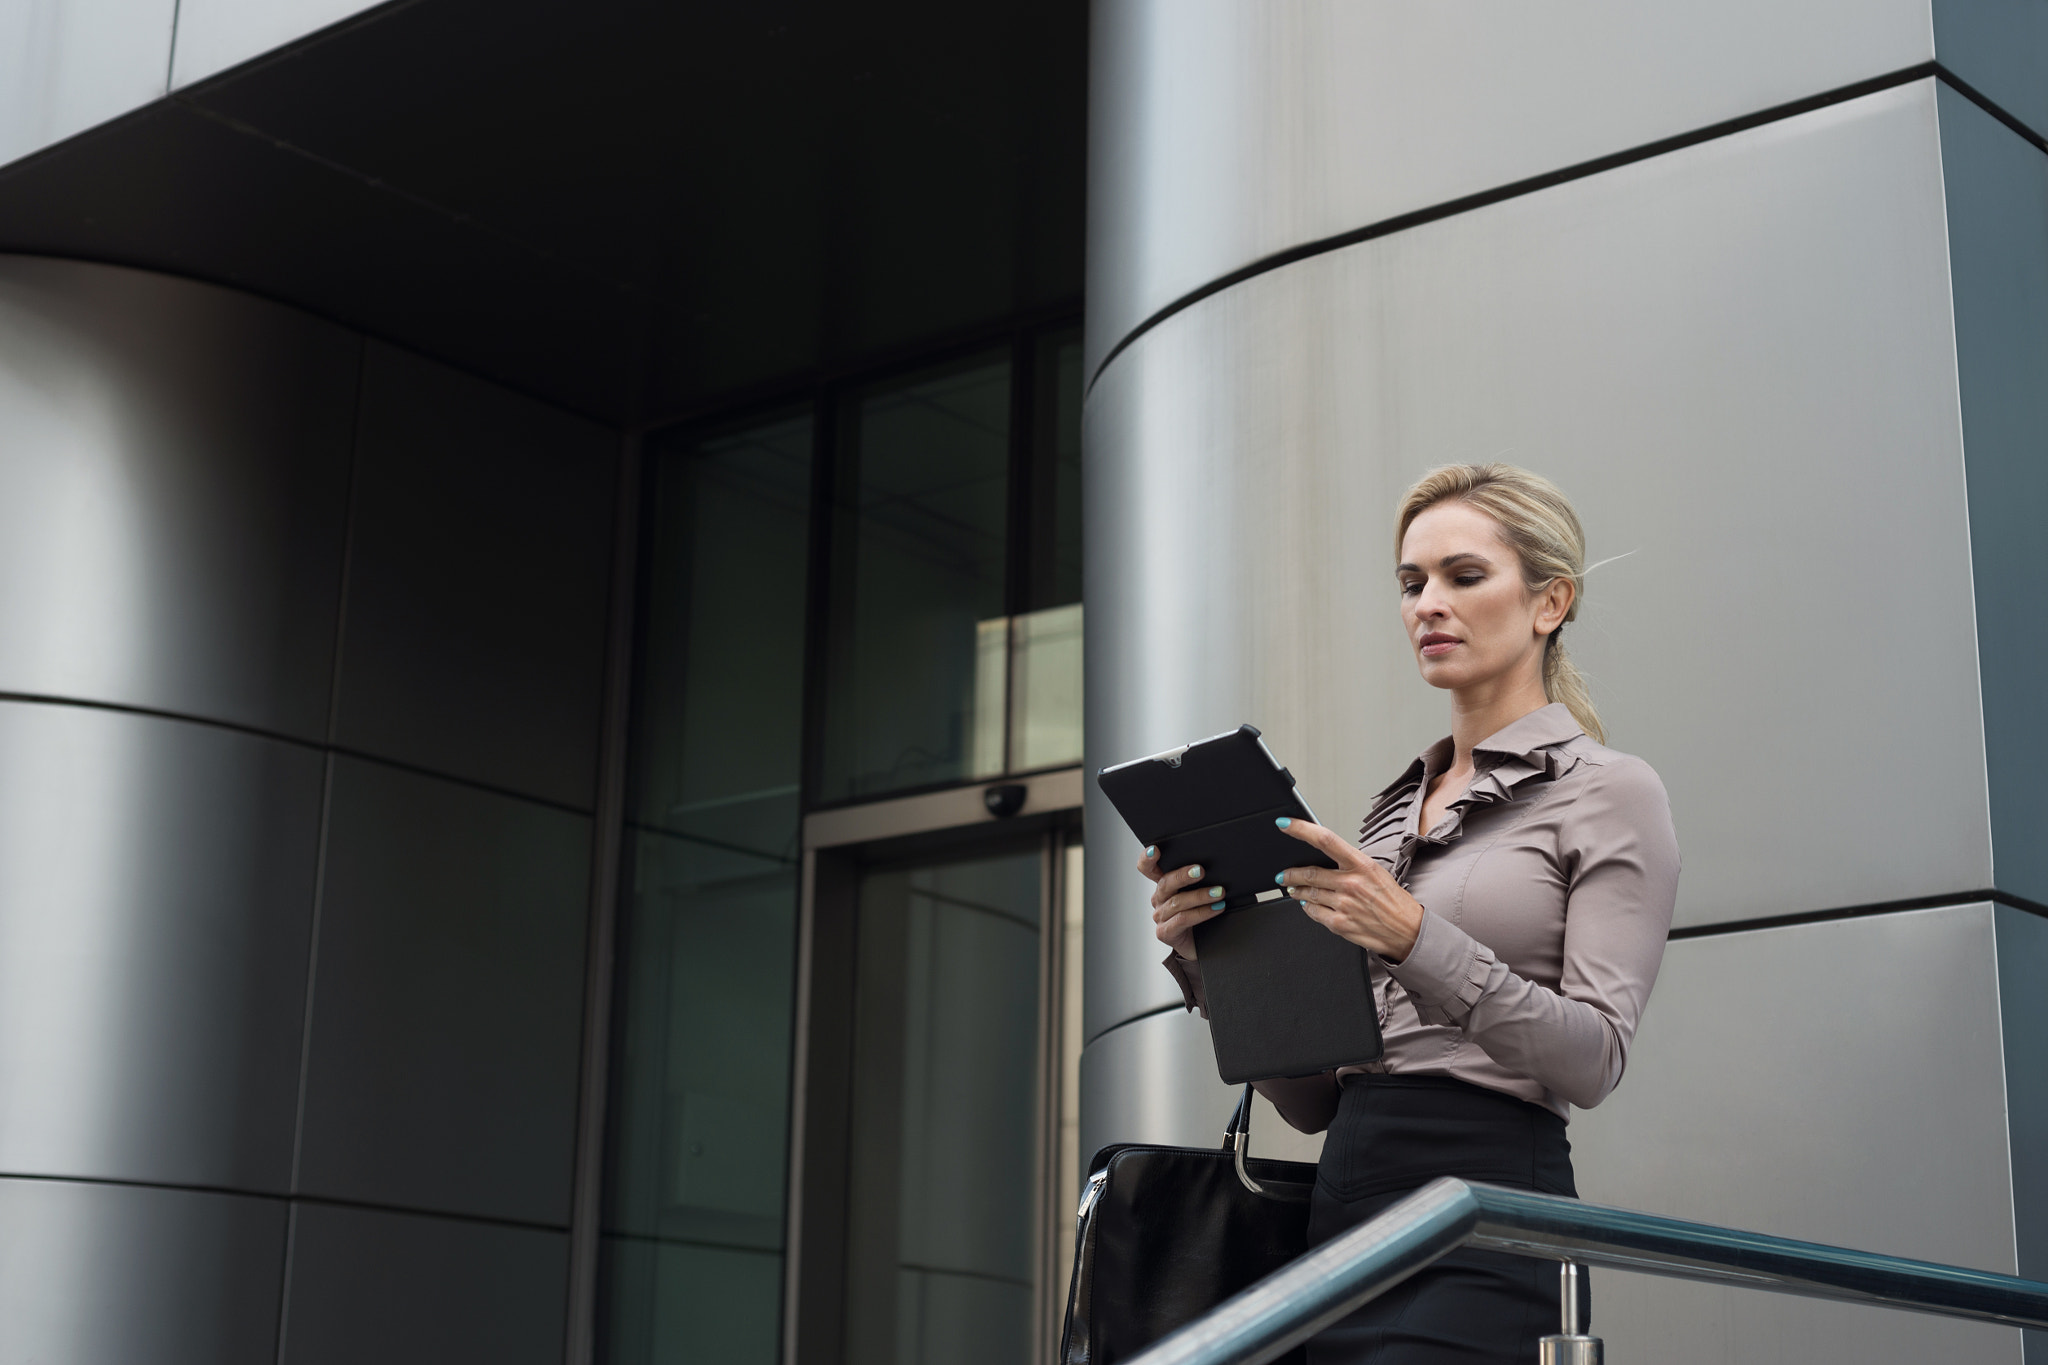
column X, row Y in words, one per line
column 1547, row 889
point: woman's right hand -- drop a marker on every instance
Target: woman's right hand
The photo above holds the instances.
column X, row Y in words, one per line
column 1178, row 904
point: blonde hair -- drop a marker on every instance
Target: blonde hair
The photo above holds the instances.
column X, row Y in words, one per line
column 1535, row 518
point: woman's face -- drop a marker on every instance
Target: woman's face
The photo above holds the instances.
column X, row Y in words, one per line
column 1470, row 620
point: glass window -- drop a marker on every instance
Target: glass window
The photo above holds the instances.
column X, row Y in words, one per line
column 699, row 1113
column 1056, row 578
column 920, row 560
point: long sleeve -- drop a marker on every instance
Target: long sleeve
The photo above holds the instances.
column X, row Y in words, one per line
column 1621, row 855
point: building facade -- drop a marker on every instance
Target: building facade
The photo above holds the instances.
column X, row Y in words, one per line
column 543, row 555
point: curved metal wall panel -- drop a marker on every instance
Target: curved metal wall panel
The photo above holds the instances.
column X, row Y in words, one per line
column 1737, row 358
column 156, row 899
column 479, row 575
column 128, row 1275
column 447, row 999
column 1884, row 1128
column 172, row 494
column 1153, row 1080
column 406, row 1289
column 1223, row 131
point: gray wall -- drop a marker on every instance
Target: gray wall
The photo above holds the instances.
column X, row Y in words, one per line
column 1792, row 369
column 300, row 671
column 66, row 65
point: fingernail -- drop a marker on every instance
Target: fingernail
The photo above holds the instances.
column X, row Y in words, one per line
column 1283, row 822
column 1151, row 850
column 1215, row 893
column 1279, row 879
column 1195, row 873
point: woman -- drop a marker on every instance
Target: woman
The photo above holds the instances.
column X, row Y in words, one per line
column 1513, row 889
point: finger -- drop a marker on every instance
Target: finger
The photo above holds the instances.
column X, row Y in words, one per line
column 1316, row 836
column 1169, row 883
column 1307, row 876
column 1149, row 863
column 1187, row 919
column 1189, row 900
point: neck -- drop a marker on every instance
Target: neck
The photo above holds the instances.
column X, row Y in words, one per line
column 1487, row 708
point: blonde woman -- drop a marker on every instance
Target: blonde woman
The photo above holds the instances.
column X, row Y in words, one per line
column 1514, row 889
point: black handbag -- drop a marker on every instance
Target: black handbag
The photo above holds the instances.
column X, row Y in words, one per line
column 1167, row 1233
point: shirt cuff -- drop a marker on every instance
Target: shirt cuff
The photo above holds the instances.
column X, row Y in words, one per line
column 1445, row 972
column 1188, row 972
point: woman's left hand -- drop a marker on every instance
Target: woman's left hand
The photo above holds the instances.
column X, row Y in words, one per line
column 1358, row 900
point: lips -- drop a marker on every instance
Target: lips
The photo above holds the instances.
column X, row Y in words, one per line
column 1437, row 643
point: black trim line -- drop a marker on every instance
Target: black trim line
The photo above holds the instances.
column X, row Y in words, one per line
column 1989, row 106
column 1145, row 1014
column 1941, row 902
column 272, row 1196
column 1516, row 189
column 298, row 741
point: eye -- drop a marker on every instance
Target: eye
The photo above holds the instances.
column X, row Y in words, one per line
column 1410, row 586
column 1466, row 580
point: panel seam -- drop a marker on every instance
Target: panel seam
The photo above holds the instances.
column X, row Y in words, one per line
column 1944, row 901
column 1529, row 185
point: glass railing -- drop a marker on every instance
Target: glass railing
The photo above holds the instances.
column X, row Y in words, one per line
column 1294, row 1303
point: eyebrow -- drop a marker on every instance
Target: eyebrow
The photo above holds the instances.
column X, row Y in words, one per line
column 1447, row 561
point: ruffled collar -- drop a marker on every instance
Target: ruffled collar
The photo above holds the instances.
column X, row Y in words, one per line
column 1528, row 750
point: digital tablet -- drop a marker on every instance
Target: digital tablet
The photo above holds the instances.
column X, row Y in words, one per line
column 1214, row 802
column 1286, row 996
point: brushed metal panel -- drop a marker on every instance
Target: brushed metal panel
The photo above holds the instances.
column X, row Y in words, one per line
column 172, row 493
column 214, row 35
column 1840, row 1082
column 1737, row 359
column 1223, row 131
column 1153, row 1080
column 397, row 1288
column 478, row 577
column 2000, row 48
column 447, row 999
column 66, row 65
column 1996, row 188
column 129, row 1275
column 156, row 901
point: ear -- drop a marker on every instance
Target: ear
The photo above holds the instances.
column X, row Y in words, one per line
column 1555, row 604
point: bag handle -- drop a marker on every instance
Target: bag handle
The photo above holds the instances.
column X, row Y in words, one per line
column 1237, row 1138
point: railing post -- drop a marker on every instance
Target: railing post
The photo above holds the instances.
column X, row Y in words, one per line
column 1571, row 1346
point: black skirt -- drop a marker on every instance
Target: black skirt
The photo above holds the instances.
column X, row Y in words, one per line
column 1393, row 1135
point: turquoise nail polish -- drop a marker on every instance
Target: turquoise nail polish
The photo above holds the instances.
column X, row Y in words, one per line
column 1283, row 822
column 1279, row 879
column 1215, row 893
column 1195, row 873
column 1152, row 850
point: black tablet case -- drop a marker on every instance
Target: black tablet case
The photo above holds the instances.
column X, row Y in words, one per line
column 1286, row 996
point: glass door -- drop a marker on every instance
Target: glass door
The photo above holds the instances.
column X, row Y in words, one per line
column 946, row 1114
column 940, row 1085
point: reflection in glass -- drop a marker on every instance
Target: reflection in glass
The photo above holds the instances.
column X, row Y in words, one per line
column 940, row 1239
column 919, row 560
column 699, row 1111
column 1045, row 689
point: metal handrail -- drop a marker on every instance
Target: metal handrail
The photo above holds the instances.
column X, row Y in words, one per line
column 1301, row 1299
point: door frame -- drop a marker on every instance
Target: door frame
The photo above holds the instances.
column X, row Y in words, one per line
column 838, row 845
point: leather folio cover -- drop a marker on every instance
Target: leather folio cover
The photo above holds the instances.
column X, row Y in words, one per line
column 1286, row 996
column 1170, row 1234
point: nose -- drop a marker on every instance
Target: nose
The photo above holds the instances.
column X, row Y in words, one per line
column 1429, row 604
